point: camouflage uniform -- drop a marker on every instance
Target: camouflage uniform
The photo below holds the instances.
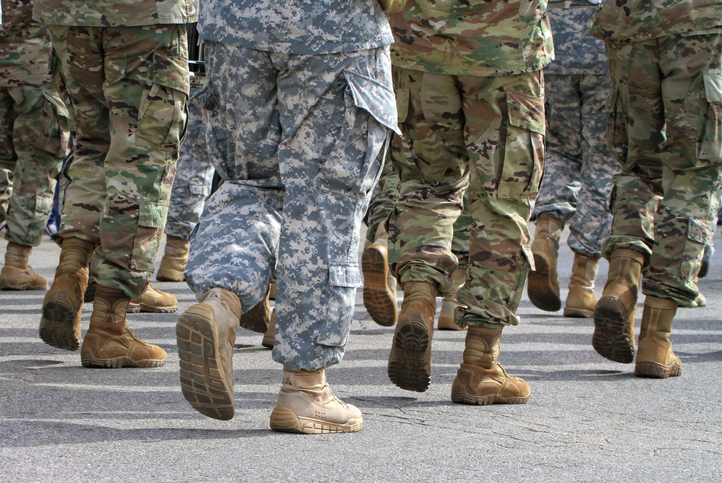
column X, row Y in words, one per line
column 470, row 94
column 124, row 67
column 33, row 125
column 578, row 167
column 298, row 109
column 665, row 129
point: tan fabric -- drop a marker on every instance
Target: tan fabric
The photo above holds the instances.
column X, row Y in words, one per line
column 580, row 300
column 543, row 286
column 16, row 273
column 154, row 301
column 174, row 260
column 655, row 357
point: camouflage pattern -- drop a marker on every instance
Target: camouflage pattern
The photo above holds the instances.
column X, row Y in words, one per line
column 636, row 20
column 115, row 13
column 495, row 125
column 575, row 51
column 665, row 129
column 128, row 88
column 299, row 155
column 24, row 46
column 193, row 178
column 295, row 27
column 472, row 38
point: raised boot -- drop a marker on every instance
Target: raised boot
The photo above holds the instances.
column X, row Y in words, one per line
column 60, row 321
column 108, row 342
column 206, row 333
column 580, row 300
column 379, row 294
column 307, row 405
column 410, row 358
column 174, row 261
column 447, row 317
column 153, row 301
column 654, row 356
column 481, row 379
column 613, row 336
column 259, row 317
column 543, row 285
column 17, row 274
column 269, row 338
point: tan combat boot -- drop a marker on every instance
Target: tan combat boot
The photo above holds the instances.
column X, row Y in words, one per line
column 108, row 342
column 655, row 357
column 17, row 274
column 543, row 287
column 379, row 294
column 259, row 317
column 269, row 338
column 447, row 319
column 410, row 358
column 581, row 301
column 60, row 322
column 481, row 379
column 174, row 260
column 613, row 336
column 307, row 405
column 206, row 333
column 153, row 301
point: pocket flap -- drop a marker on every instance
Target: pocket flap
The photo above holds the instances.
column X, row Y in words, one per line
column 526, row 112
column 345, row 276
column 152, row 215
column 374, row 97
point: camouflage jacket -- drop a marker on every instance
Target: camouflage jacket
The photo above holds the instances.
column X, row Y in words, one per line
column 575, row 51
column 472, row 37
column 24, row 46
column 296, row 26
column 115, row 13
column 635, row 20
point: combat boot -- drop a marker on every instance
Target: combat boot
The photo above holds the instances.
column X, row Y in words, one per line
column 17, row 274
column 379, row 294
column 269, row 338
column 613, row 336
column 655, row 357
column 307, row 405
column 206, row 333
column 580, row 300
column 543, row 287
column 481, row 379
column 60, row 321
column 410, row 358
column 174, row 260
column 447, row 319
column 259, row 317
column 153, row 301
column 108, row 342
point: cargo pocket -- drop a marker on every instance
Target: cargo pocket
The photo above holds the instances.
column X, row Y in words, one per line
column 617, row 138
column 55, row 129
column 162, row 117
column 343, row 282
column 216, row 132
column 710, row 148
column 151, row 221
column 699, row 233
column 523, row 164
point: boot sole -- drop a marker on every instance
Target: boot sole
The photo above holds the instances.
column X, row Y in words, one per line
column 379, row 301
column 410, row 358
column 201, row 371
column 58, row 322
column 542, row 298
column 656, row 370
column 87, row 360
column 286, row 421
column 150, row 309
column 611, row 338
column 578, row 313
column 460, row 396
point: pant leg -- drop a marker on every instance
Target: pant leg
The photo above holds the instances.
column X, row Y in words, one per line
column 591, row 224
column 382, row 203
column 41, row 141
column 7, row 152
column 504, row 132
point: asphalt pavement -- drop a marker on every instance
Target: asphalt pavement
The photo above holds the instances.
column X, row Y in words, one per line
column 588, row 419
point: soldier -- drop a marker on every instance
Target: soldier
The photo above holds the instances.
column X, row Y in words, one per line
column 33, row 140
column 124, row 67
column 578, row 167
column 665, row 129
column 298, row 109
column 469, row 87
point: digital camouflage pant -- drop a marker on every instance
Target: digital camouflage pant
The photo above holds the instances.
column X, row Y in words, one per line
column 33, row 142
column 128, row 89
column 578, row 167
column 665, row 129
column 298, row 141
column 193, row 178
column 495, row 127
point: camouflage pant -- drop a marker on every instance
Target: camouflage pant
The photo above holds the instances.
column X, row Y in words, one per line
column 665, row 128
column 495, row 125
column 33, row 142
column 578, row 168
column 299, row 154
column 193, row 178
column 128, row 88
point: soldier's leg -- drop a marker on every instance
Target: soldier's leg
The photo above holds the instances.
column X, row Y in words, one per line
column 7, row 152
column 460, row 248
